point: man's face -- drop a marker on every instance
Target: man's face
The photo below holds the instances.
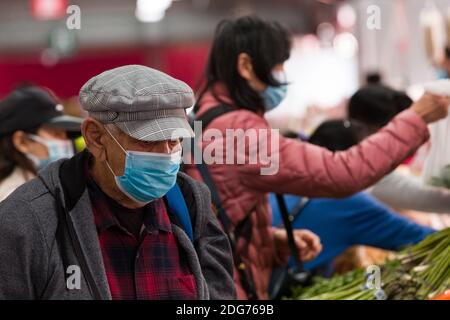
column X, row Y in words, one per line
column 105, row 150
column 116, row 156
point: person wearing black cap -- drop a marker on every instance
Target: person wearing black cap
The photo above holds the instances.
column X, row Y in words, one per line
column 32, row 134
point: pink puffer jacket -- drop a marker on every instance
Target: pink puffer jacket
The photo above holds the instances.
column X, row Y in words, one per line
column 305, row 170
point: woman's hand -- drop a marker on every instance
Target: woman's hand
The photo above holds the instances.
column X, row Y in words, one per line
column 431, row 107
column 308, row 243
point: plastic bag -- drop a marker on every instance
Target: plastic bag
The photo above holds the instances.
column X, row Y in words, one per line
column 437, row 165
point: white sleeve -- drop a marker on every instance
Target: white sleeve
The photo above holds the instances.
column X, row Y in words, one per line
column 406, row 192
column 439, row 154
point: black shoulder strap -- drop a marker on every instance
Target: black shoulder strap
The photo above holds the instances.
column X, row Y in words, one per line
column 206, row 118
column 290, row 234
column 295, row 212
column 214, row 113
column 64, row 229
column 244, row 274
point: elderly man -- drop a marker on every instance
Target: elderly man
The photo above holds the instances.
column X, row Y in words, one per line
column 118, row 221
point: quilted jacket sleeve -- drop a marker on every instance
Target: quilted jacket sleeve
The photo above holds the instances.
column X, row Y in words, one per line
column 304, row 169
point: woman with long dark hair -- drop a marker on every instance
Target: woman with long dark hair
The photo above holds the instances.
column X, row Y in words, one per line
column 245, row 72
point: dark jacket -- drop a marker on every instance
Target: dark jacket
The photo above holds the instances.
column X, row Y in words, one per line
column 33, row 248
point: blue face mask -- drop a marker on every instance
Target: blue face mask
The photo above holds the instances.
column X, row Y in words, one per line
column 147, row 175
column 57, row 149
column 274, row 95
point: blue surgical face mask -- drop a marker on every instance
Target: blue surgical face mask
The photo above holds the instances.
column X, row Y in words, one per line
column 274, row 95
column 57, row 149
column 147, row 175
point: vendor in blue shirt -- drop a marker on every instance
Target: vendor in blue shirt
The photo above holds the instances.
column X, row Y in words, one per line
column 356, row 220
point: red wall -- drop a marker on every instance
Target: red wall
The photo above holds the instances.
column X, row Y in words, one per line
column 186, row 62
column 183, row 61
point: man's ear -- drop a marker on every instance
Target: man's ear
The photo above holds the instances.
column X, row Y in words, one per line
column 94, row 135
column 245, row 67
column 21, row 141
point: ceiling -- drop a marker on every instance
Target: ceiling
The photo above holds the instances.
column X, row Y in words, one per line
column 112, row 22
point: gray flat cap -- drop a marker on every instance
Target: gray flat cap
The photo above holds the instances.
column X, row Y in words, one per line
column 143, row 102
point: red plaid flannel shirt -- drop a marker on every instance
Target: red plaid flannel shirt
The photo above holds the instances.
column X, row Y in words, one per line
column 145, row 268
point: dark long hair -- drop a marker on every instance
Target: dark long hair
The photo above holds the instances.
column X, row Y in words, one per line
column 376, row 105
column 336, row 135
column 267, row 43
column 10, row 157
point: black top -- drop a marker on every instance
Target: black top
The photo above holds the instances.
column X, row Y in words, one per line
column 131, row 220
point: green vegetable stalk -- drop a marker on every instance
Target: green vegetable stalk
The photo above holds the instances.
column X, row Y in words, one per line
column 418, row 272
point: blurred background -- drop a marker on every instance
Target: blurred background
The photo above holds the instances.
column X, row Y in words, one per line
column 334, row 51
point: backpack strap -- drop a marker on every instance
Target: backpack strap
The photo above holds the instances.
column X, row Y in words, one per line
column 290, row 233
column 213, row 113
column 295, row 275
column 295, row 212
column 243, row 271
column 177, row 203
column 206, row 118
column 64, row 230
column 288, row 219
